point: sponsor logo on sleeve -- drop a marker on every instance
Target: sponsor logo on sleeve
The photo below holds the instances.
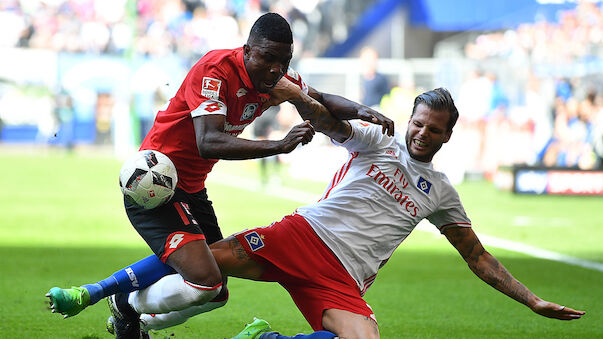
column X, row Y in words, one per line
column 211, row 88
column 249, row 111
column 254, row 240
column 424, row 185
column 209, row 107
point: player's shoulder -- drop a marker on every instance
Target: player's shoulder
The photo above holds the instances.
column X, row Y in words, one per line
column 366, row 135
column 367, row 129
column 219, row 61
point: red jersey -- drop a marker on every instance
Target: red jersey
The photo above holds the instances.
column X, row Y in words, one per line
column 217, row 84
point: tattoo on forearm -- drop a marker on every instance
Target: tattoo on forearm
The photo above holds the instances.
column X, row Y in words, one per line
column 488, row 268
column 319, row 116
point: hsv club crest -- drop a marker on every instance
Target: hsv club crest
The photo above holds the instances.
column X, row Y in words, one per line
column 254, row 240
column 424, row 185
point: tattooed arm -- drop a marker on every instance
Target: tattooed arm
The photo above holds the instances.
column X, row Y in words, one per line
column 344, row 109
column 490, row 270
column 322, row 120
column 310, row 110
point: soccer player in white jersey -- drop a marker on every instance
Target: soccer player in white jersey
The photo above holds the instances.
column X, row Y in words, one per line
column 327, row 254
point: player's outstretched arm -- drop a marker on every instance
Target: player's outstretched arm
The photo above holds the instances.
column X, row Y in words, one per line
column 490, row 270
column 214, row 143
column 344, row 109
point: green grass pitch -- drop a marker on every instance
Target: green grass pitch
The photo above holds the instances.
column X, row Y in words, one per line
column 62, row 224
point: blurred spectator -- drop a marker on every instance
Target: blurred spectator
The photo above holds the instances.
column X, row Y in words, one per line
column 264, row 128
column 65, row 114
column 374, row 84
column 104, row 116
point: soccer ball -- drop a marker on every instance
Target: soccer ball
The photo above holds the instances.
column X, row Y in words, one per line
column 148, row 178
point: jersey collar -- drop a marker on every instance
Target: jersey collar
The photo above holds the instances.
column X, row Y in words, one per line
column 242, row 69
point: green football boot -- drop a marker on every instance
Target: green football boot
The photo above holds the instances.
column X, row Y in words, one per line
column 68, row 301
column 254, row 330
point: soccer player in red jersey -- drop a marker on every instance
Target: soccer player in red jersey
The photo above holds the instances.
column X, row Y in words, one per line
column 221, row 95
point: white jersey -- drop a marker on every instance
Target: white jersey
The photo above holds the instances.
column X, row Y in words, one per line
column 376, row 199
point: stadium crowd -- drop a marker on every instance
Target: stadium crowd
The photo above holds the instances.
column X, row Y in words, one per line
column 558, row 116
column 189, row 28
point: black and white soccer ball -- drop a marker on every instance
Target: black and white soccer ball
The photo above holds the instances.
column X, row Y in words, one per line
column 148, row 178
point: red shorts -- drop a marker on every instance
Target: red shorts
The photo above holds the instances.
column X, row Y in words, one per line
column 295, row 257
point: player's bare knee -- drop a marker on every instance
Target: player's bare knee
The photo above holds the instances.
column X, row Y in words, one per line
column 349, row 325
column 211, row 277
column 195, row 263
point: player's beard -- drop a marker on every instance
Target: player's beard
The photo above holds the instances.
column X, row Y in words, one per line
column 426, row 156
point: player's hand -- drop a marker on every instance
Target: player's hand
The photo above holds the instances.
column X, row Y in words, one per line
column 555, row 311
column 302, row 133
column 370, row 115
column 284, row 90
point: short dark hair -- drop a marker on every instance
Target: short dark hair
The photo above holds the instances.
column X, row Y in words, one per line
column 273, row 27
column 438, row 99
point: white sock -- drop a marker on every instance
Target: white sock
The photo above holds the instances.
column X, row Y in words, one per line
column 161, row 321
column 171, row 293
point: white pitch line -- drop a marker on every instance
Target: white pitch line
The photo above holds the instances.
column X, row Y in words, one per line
column 523, row 248
column 307, row 198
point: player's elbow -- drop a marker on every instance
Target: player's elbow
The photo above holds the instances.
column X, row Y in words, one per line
column 207, row 145
column 204, row 151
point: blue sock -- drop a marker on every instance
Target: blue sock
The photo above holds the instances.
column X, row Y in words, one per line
column 315, row 335
column 137, row 276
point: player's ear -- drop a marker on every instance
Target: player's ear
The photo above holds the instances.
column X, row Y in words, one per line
column 448, row 135
column 246, row 50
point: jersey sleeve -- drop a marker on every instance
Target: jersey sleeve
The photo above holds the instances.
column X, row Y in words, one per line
column 205, row 91
column 365, row 136
column 294, row 77
column 451, row 211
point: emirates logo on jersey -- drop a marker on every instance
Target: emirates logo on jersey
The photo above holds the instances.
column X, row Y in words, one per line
column 249, row 111
column 395, row 185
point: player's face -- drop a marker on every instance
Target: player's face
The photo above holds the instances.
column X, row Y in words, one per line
column 267, row 62
column 427, row 131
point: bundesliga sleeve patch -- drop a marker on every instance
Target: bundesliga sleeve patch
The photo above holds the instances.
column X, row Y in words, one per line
column 209, row 107
column 254, row 240
column 211, row 88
